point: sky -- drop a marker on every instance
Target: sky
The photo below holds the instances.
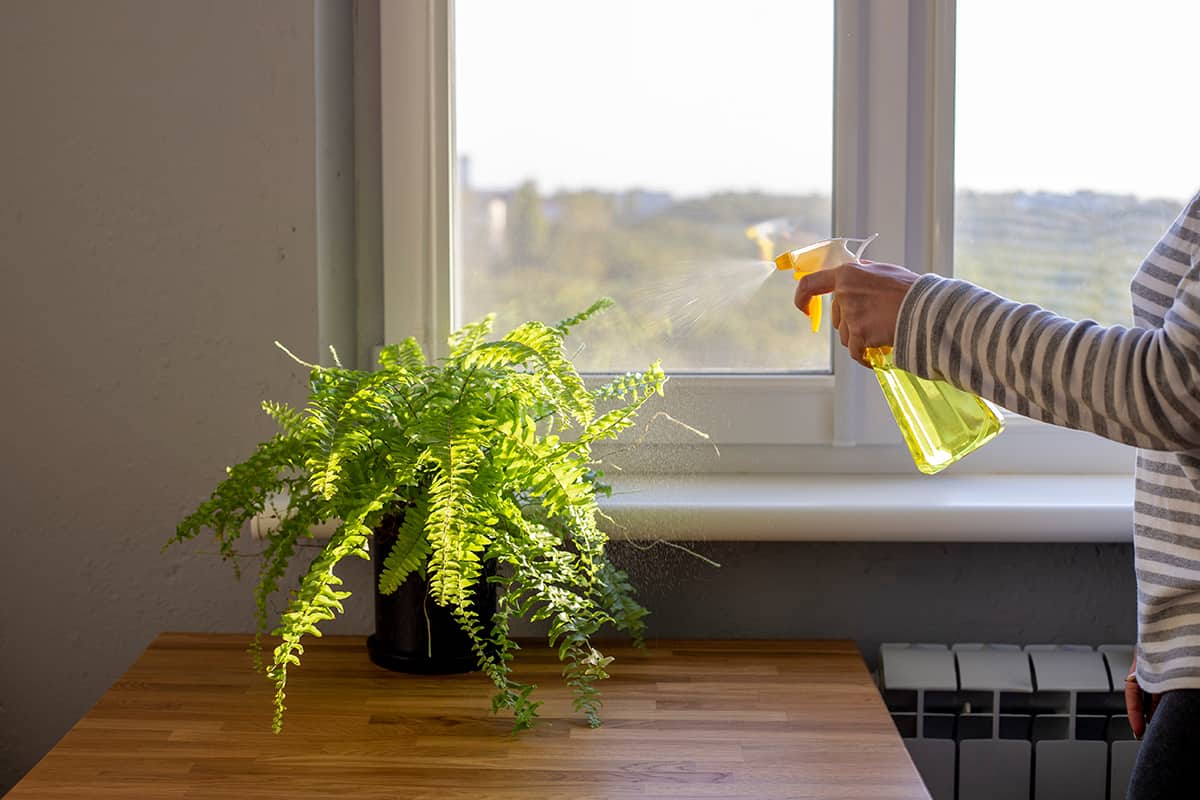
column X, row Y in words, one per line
column 698, row 96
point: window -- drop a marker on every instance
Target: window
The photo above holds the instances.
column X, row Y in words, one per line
column 1073, row 140
column 637, row 150
column 538, row 154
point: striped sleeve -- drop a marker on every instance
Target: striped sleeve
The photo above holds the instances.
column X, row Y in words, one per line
column 1138, row 386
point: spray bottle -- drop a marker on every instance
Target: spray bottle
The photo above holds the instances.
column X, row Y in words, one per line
column 940, row 423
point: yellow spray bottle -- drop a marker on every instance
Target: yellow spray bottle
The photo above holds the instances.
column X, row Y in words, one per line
column 940, row 423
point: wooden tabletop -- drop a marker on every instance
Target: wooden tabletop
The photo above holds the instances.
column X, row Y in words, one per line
column 682, row 719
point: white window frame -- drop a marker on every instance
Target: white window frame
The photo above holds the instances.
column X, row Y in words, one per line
column 892, row 175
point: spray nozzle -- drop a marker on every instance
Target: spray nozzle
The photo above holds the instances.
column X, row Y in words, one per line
column 822, row 255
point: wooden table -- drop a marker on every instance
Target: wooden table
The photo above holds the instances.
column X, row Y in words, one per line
column 701, row 719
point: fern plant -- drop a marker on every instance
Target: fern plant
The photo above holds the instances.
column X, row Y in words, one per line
column 487, row 456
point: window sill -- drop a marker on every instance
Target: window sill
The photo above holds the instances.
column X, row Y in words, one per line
column 859, row 508
column 946, row 508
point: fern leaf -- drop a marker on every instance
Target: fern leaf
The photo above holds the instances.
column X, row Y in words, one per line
column 290, row 420
column 504, row 353
column 348, row 428
column 332, row 388
column 470, row 336
column 316, row 600
column 242, row 494
column 632, row 385
column 409, row 551
column 557, row 370
column 564, row 326
column 278, row 553
column 638, row 391
column 617, row 596
column 407, row 356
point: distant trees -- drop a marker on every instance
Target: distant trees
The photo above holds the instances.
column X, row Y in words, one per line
column 1073, row 254
column 528, row 229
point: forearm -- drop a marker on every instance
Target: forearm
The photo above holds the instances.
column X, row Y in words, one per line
column 1133, row 385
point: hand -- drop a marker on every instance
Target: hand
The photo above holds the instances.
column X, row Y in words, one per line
column 866, row 301
column 1139, row 714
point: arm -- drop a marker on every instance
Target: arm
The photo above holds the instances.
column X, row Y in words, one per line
column 1137, row 386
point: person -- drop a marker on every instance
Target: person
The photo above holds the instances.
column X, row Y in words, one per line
column 1139, row 386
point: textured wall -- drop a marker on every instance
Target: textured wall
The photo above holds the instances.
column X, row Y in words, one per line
column 157, row 232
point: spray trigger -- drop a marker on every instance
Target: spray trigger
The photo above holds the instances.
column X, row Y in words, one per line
column 822, row 255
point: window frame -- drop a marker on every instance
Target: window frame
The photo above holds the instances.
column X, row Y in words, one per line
column 894, row 61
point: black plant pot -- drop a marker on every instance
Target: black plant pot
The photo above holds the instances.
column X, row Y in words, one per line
column 412, row 632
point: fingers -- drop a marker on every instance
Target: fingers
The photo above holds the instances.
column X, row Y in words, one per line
column 813, row 284
column 866, row 302
column 857, row 346
column 850, row 339
column 809, row 290
column 1133, row 707
column 839, row 321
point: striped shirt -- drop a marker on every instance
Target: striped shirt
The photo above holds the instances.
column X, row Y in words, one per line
column 1139, row 386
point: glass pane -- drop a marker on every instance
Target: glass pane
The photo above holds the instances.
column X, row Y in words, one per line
column 623, row 148
column 1075, row 140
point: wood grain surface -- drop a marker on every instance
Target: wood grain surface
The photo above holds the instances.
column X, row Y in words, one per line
column 682, row 719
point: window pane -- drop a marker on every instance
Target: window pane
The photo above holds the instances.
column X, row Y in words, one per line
column 623, row 148
column 1075, row 145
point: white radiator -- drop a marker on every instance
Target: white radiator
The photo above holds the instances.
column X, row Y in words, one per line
column 1005, row 722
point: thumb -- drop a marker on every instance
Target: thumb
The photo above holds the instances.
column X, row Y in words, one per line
column 813, row 284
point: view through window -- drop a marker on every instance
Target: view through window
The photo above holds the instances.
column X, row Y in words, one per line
column 1075, row 145
column 640, row 150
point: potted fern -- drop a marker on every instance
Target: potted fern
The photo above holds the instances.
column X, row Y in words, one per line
column 475, row 472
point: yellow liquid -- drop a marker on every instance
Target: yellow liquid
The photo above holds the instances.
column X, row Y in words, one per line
column 940, row 423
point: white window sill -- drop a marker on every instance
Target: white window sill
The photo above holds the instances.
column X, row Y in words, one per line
column 862, row 508
column 946, row 508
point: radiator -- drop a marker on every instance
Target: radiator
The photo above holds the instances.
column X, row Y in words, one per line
column 1006, row 722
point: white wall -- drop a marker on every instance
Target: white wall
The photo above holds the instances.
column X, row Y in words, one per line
column 157, row 232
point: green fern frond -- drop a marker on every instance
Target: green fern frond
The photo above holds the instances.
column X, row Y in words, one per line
column 637, row 392
column 564, row 326
column 470, row 336
column 331, row 388
column 540, row 589
column 290, row 420
column 539, row 466
column 409, row 551
column 406, row 356
column 279, row 551
column 547, row 343
column 242, row 495
column 453, row 527
column 504, row 353
column 616, row 594
column 316, row 600
column 353, row 430
column 633, row 384
column 512, row 696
